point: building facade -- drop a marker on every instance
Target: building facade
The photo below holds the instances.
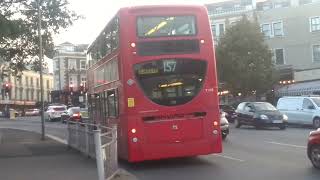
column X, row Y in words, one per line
column 24, row 89
column 70, row 74
column 69, row 66
column 292, row 31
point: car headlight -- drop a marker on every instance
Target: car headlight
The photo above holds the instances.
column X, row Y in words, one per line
column 223, row 114
column 262, row 116
column 285, row 117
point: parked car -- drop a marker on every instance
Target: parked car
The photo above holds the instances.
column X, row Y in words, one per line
column 231, row 114
column 301, row 110
column 32, row 112
column 260, row 114
column 224, row 125
column 54, row 112
column 314, row 148
column 75, row 114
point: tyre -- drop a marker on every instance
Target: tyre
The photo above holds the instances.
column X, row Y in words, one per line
column 237, row 123
column 316, row 123
column 315, row 156
column 49, row 119
column 283, row 127
column 224, row 136
column 258, row 127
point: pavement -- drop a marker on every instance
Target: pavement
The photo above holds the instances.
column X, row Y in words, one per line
column 248, row 154
column 23, row 156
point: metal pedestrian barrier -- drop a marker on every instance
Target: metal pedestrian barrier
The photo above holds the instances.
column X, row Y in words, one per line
column 99, row 142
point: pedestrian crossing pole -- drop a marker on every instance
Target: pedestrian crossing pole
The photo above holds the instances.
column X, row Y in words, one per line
column 41, row 75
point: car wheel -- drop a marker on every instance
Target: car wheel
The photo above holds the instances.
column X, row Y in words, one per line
column 315, row 156
column 283, row 127
column 224, row 136
column 237, row 123
column 258, row 127
column 316, row 123
column 49, row 119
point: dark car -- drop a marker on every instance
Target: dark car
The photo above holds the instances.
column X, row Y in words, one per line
column 259, row 114
column 231, row 114
column 314, row 148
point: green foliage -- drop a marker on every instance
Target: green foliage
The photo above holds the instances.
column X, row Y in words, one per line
column 19, row 41
column 244, row 60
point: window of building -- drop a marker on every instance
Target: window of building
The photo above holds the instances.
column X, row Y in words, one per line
column 27, row 81
column 315, row 24
column 221, row 29
column 280, row 4
column 277, row 28
column 302, row 2
column 316, row 53
column 38, row 85
column 279, row 56
column 266, row 29
column 21, row 94
column 214, row 32
column 32, row 95
column 82, row 64
column 31, row 81
column 72, row 64
column 57, row 64
column 48, row 84
column 218, row 29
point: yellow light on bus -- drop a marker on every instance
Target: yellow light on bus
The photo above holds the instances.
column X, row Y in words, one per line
column 133, row 45
column 215, row 123
column 202, row 41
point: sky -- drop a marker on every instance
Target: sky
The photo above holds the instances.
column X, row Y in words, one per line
column 97, row 13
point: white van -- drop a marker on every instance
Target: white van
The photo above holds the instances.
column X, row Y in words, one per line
column 301, row 109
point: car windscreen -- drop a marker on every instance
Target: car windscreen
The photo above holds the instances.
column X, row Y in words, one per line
column 171, row 82
column 317, row 101
column 264, row 107
column 59, row 109
column 160, row 26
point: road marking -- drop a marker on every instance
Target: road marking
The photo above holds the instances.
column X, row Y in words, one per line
column 229, row 157
column 285, row 144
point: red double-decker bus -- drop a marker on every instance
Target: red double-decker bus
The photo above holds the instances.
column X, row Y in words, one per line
column 152, row 73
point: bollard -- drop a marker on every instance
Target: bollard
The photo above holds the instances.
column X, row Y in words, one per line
column 87, row 139
column 68, row 134
column 99, row 158
column 77, row 136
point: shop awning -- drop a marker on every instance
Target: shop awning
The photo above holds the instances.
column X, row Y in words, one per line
column 298, row 89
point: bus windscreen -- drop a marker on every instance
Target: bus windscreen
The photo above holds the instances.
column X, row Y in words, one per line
column 171, row 82
column 163, row 26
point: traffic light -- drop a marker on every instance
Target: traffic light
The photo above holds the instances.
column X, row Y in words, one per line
column 7, row 87
column 81, row 88
column 71, row 89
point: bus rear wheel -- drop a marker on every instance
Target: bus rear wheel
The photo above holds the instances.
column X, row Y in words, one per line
column 316, row 123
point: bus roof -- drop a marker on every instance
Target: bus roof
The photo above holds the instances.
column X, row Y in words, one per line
column 148, row 8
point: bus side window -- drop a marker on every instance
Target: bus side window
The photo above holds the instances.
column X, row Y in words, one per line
column 105, row 102
column 112, row 103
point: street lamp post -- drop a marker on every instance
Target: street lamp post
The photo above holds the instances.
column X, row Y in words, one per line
column 41, row 76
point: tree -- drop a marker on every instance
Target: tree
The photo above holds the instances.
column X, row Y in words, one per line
column 244, row 60
column 19, row 42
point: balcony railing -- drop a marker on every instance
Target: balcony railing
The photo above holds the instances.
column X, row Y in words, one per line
column 227, row 11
